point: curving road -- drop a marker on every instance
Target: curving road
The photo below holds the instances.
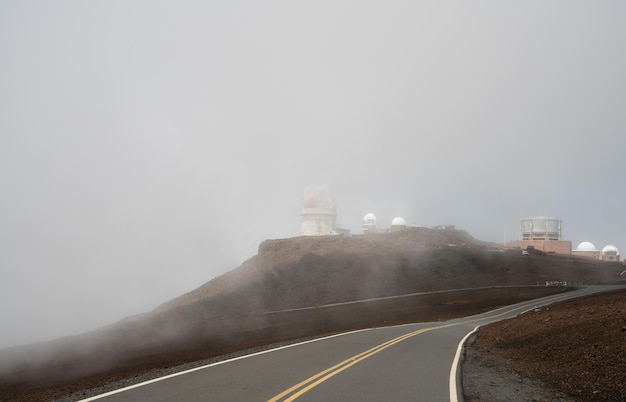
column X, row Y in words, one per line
column 408, row 362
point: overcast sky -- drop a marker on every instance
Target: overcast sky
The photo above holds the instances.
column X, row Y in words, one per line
column 149, row 146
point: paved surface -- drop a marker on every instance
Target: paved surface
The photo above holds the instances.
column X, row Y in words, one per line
column 406, row 362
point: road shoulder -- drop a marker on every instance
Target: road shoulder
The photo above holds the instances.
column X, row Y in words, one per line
column 485, row 377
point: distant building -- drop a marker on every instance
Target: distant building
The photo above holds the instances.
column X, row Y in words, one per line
column 610, row 253
column 369, row 225
column 319, row 212
column 545, row 234
column 587, row 249
column 397, row 224
column 542, row 233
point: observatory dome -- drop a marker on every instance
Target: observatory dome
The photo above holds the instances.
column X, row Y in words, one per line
column 369, row 219
column 610, row 249
column 398, row 221
column 586, row 246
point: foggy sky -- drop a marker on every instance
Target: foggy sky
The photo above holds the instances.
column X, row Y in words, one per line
column 149, row 146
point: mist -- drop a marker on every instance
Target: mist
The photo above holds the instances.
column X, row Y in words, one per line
column 149, row 146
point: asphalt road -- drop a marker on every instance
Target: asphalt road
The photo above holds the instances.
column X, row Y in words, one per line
column 408, row 362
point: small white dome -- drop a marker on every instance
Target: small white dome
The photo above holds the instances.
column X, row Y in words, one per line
column 397, row 221
column 586, row 246
column 369, row 219
column 610, row 249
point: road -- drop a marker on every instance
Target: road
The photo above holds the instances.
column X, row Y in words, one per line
column 408, row 362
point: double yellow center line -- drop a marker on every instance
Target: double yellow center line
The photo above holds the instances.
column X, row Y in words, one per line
column 312, row 382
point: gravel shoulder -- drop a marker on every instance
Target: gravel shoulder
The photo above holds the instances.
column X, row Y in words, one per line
column 571, row 351
column 487, row 377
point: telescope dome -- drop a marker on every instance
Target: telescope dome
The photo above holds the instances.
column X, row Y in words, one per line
column 369, row 219
column 586, row 246
column 398, row 221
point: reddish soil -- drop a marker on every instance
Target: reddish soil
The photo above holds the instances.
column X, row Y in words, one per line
column 575, row 351
column 245, row 307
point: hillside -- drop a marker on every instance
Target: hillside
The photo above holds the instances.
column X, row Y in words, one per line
column 570, row 351
column 265, row 301
column 298, row 255
column 310, row 271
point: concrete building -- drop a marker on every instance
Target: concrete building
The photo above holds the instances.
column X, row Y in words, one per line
column 542, row 233
column 319, row 212
column 545, row 234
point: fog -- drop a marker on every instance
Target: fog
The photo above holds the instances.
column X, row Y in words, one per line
column 149, row 146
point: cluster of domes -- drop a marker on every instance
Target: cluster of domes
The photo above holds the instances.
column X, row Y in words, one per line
column 369, row 224
column 370, row 220
column 589, row 247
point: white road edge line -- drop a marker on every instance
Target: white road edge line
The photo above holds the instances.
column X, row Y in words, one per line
column 141, row 384
column 454, row 370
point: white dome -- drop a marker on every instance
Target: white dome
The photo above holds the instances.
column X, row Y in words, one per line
column 586, row 246
column 610, row 249
column 397, row 221
column 369, row 219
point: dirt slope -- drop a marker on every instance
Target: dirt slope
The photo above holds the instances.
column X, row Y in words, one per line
column 574, row 351
column 281, row 256
column 305, row 271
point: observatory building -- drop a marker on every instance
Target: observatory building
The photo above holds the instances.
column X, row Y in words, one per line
column 369, row 225
column 610, row 253
column 398, row 224
column 540, row 228
column 542, row 233
column 319, row 213
column 587, row 249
